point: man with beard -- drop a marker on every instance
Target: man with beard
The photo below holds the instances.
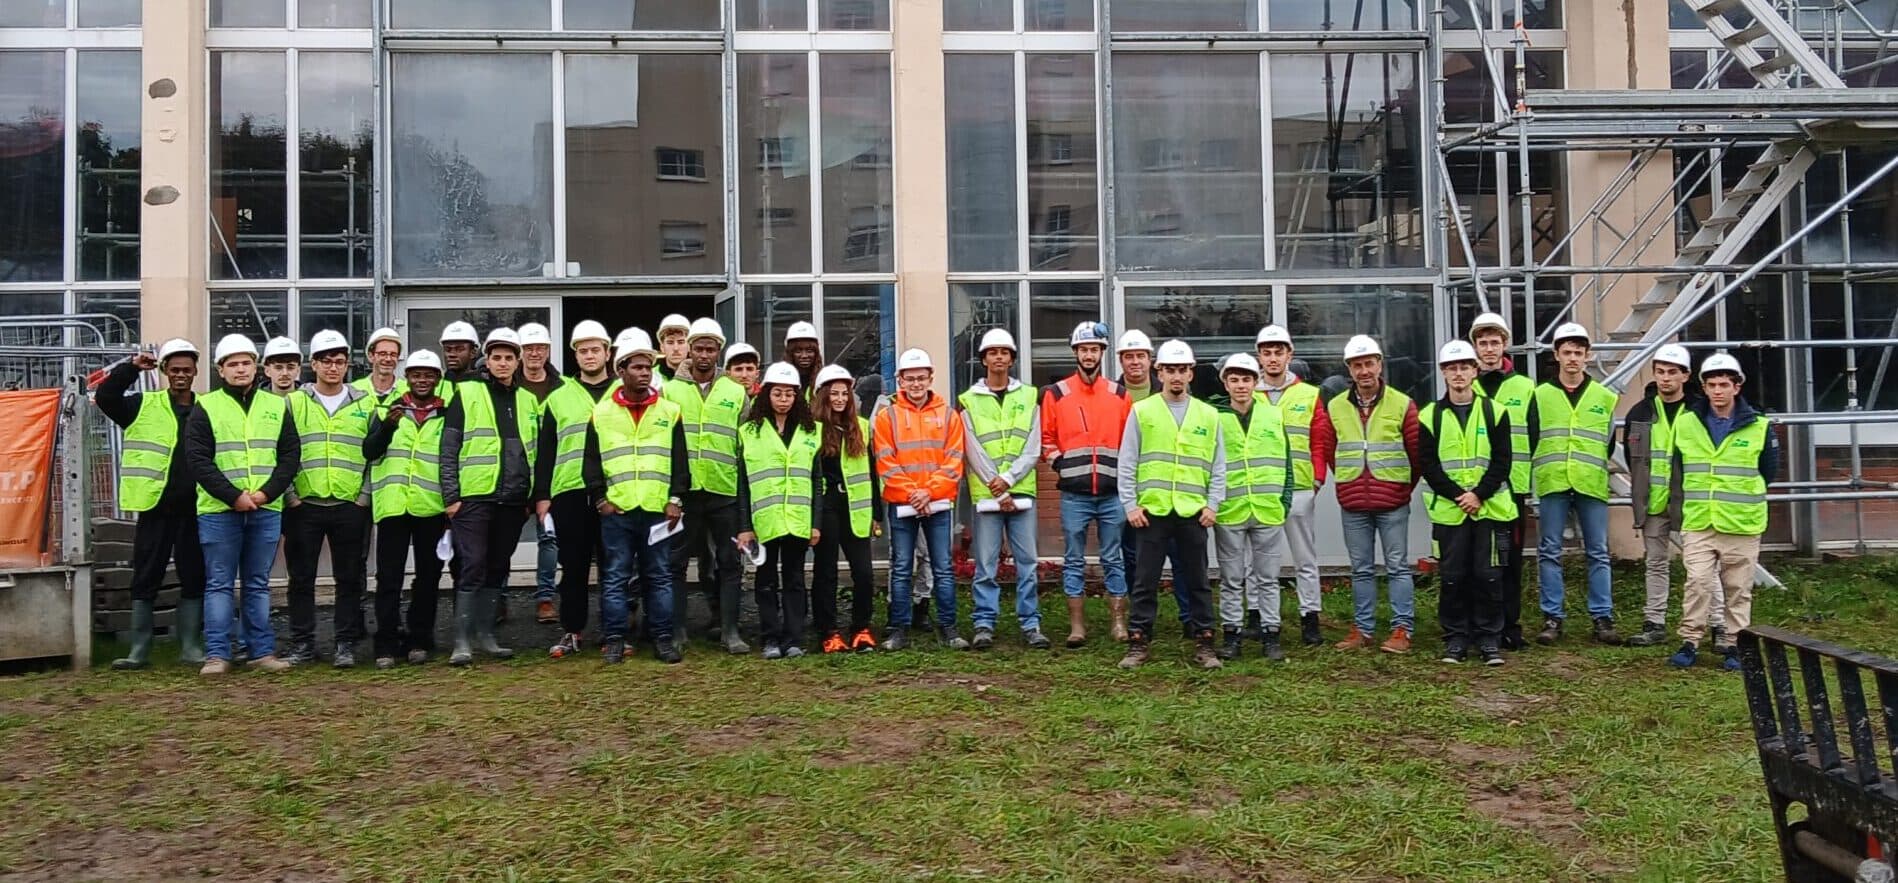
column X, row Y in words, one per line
column 1082, row 416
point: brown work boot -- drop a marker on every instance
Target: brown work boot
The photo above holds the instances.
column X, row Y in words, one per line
column 215, row 666
column 1137, row 653
column 1204, row 655
column 1399, row 641
column 1355, row 640
column 269, row 663
column 1077, row 622
column 1117, row 609
column 544, row 613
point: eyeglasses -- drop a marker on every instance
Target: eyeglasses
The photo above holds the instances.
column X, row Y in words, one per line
column 332, row 361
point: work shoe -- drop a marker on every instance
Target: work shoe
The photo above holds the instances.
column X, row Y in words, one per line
column 834, row 643
column 1719, row 634
column 1398, row 642
column 215, row 666
column 302, row 653
column 484, row 629
column 500, row 607
column 613, row 652
column 269, row 663
column 418, row 657
column 863, row 641
column 1270, row 642
column 1551, row 631
column 1255, row 625
column 1354, row 640
column 1137, row 652
column 984, row 638
column 949, row 637
column 1454, row 652
column 1204, row 655
column 568, row 645
column 667, row 652
column 1308, row 630
column 895, row 638
column 140, row 655
column 1730, row 658
column 1491, row 656
column 1686, row 656
column 793, row 652
column 1077, row 623
column 384, row 663
column 345, row 655
column 1605, row 631
column 772, row 650
column 1652, row 634
column 1512, row 640
column 463, row 653
column 190, row 631
column 1036, row 640
column 1229, row 648
column 544, row 613
column 734, row 644
column 1117, row 613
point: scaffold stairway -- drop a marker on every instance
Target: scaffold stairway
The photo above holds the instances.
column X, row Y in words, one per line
column 1765, row 31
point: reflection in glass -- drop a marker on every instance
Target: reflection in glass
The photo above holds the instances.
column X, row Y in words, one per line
column 860, row 330
column 769, row 312
column 425, row 324
column 978, row 15
column 853, row 15
column 1183, row 15
column 636, row 15
column 982, row 157
column 1217, row 320
column 335, row 13
column 774, row 195
column 337, row 119
column 645, row 170
column 33, row 14
column 258, row 315
column 773, row 15
column 14, row 303
column 123, row 304
column 974, row 308
column 1186, row 161
column 1345, row 133
column 108, row 131
column 1398, row 316
column 350, row 312
column 1062, row 164
column 246, row 14
column 856, row 163
column 249, row 189
column 1059, row 15
column 1358, row 15
column 112, row 13
column 473, row 175
column 1056, row 308
column 463, row 14
column 32, row 166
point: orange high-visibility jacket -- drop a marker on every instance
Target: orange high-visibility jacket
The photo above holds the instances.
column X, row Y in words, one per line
column 919, row 446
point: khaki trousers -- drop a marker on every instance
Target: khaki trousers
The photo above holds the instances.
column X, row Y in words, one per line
column 1717, row 561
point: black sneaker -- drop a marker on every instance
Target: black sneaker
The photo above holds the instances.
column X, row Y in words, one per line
column 664, row 651
column 1455, row 652
column 1652, row 634
column 1230, row 647
column 1551, row 631
column 984, row 639
column 1308, row 630
column 1036, row 640
column 895, row 637
column 345, row 656
column 950, row 638
column 1605, row 631
column 614, row 651
column 1491, row 656
column 1270, row 640
column 302, row 653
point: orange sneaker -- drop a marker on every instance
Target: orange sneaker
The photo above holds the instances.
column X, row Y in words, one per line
column 1399, row 641
column 1356, row 640
column 862, row 641
column 835, row 643
column 545, row 614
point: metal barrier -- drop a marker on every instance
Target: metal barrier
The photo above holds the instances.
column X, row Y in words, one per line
column 67, row 351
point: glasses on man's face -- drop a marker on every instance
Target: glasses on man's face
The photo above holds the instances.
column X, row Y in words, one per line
column 385, row 356
column 332, row 361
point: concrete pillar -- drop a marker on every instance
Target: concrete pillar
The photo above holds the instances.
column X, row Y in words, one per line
column 173, row 242
column 921, row 184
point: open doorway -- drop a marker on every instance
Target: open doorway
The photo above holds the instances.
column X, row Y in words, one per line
column 622, row 309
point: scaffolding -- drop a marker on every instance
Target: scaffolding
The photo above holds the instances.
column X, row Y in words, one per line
column 1748, row 191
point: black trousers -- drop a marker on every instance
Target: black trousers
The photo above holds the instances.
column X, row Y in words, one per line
column 836, row 539
column 782, row 602
column 1130, row 564
column 712, row 522
column 345, row 526
column 577, row 524
column 395, row 537
column 1470, row 603
column 161, row 538
column 1185, row 540
column 1510, row 572
column 485, row 534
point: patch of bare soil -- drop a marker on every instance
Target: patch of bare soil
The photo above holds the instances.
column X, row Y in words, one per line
column 1502, row 704
column 204, row 852
column 1195, row 864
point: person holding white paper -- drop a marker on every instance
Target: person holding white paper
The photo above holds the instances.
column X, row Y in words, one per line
column 777, row 448
column 919, row 455
column 1001, row 425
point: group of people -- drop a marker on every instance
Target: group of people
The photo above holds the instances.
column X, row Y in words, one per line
column 649, row 456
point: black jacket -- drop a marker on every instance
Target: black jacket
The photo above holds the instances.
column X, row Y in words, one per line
column 518, row 485
column 201, row 451
column 181, row 490
column 1495, row 476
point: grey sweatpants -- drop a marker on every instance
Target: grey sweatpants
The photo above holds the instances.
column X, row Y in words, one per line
column 1301, row 536
column 1660, row 552
column 1249, row 572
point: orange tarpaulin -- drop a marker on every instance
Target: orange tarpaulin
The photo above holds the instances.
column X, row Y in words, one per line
column 26, row 473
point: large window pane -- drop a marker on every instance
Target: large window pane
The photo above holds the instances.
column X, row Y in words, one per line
column 32, row 166
column 774, row 163
column 1057, row 308
column 111, row 13
column 1536, row 14
column 769, row 312
column 974, row 308
column 1367, row 15
column 246, row 14
column 14, row 303
column 645, row 170
column 1398, row 316
column 982, row 158
column 1187, row 161
column 856, row 157
column 978, row 15
column 248, row 184
column 1184, row 15
column 258, row 315
column 338, row 133
column 33, row 14
column 473, row 174
column 464, row 14
column 335, row 13
column 108, row 130
column 1216, row 320
column 350, row 313
column 1063, row 193
column 853, row 15
column 860, row 330
column 1345, row 133
column 1059, row 15
column 641, row 15
column 123, row 304
column 773, row 15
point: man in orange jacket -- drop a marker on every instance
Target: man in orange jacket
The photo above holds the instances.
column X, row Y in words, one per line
column 919, row 458
column 1082, row 417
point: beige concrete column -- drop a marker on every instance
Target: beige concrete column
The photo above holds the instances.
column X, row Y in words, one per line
column 921, row 184
column 173, row 242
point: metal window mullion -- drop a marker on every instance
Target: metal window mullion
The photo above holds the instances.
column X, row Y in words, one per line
column 292, row 167
column 72, row 15
column 1024, row 348
column 379, row 177
column 560, row 160
column 1021, row 16
column 557, row 17
column 810, row 16
column 728, row 132
column 69, row 170
column 1104, row 160
column 1023, row 233
column 814, row 161
column 290, row 15
column 1267, row 178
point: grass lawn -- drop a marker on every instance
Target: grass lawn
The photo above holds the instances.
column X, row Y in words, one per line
column 1569, row 763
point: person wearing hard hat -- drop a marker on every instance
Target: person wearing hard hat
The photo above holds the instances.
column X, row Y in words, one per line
column 1172, row 483
column 283, row 365
column 1082, row 416
column 1250, row 528
column 243, row 450
column 919, row 449
column 637, row 472
column 1571, row 436
column 497, row 464
column 1376, row 465
column 541, row 379
column 326, row 503
column 1497, row 380
column 405, row 498
column 711, row 407
column 1135, row 353
column 674, row 330
column 155, row 482
column 777, row 446
column 385, row 354
column 576, row 520
column 1464, row 455
column 851, row 516
column 1727, row 453
column 1001, row 425
column 459, row 343
column 1308, row 428
column 1655, row 485
column 803, row 350
column 742, row 364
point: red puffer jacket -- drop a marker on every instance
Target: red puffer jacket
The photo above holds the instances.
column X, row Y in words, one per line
column 1369, row 494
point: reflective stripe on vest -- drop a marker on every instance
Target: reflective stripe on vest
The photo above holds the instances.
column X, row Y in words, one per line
column 1571, row 450
column 1001, row 424
column 1660, row 458
column 857, row 484
column 711, row 430
column 408, row 478
column 1463, row 452
column 1257, row 466
column 1174, row 475
column 245, row 444
column 780, row 479
column 332, row 464
column 1383, row 451
column 636, row 456
column 145, row 452
column 1296, row 406
column 572, row 407
column 1514, row 394
column 1721, row 487
column 480, row 459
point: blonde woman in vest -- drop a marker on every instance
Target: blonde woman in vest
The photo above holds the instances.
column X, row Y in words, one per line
column 1250, row 532
column 777, row 450
column 847, row 482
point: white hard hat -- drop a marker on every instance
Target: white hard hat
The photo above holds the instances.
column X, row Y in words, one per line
column 381, row 335
column 1490, row 320
column 1675, row 354
column 625, row 334
column 783, row 373
column 705, row 327
column 235, row 344
column 1456, row 351
column 1134, row 340
column 832, row 373
column 674, row 321
column 175, row 347
column 739, row 351
column 1174, row 352
column 327, row 340
column 1571, row 331
column 422, row 359
column 534, row 332
column 800, row 331
column 1721, row 363
column 1240, row 362
column 502, row 337
column 275, row 347
column 997, row 337
column 588, row 330
column 1361, row 345
column 914, row 358
column 1273, row 334
column 632, row 342
column 462, row 332
column 1089, row 332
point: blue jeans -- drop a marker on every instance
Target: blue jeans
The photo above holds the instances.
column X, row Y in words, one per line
column 942, row 574
column 1592, row 515
column 1103, row 511
column 547, row 563
column 988, row 556
column 238, row 545
column 623, row 538
column 1363, row 531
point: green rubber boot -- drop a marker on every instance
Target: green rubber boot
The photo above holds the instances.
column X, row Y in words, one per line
column 141, row 655
column 190, row 619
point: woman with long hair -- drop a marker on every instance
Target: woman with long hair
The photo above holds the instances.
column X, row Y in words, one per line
column 777, row 446
column 847, row 483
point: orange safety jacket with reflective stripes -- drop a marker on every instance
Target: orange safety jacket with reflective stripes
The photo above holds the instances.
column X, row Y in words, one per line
column 919, row 446
column 1081, row 425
